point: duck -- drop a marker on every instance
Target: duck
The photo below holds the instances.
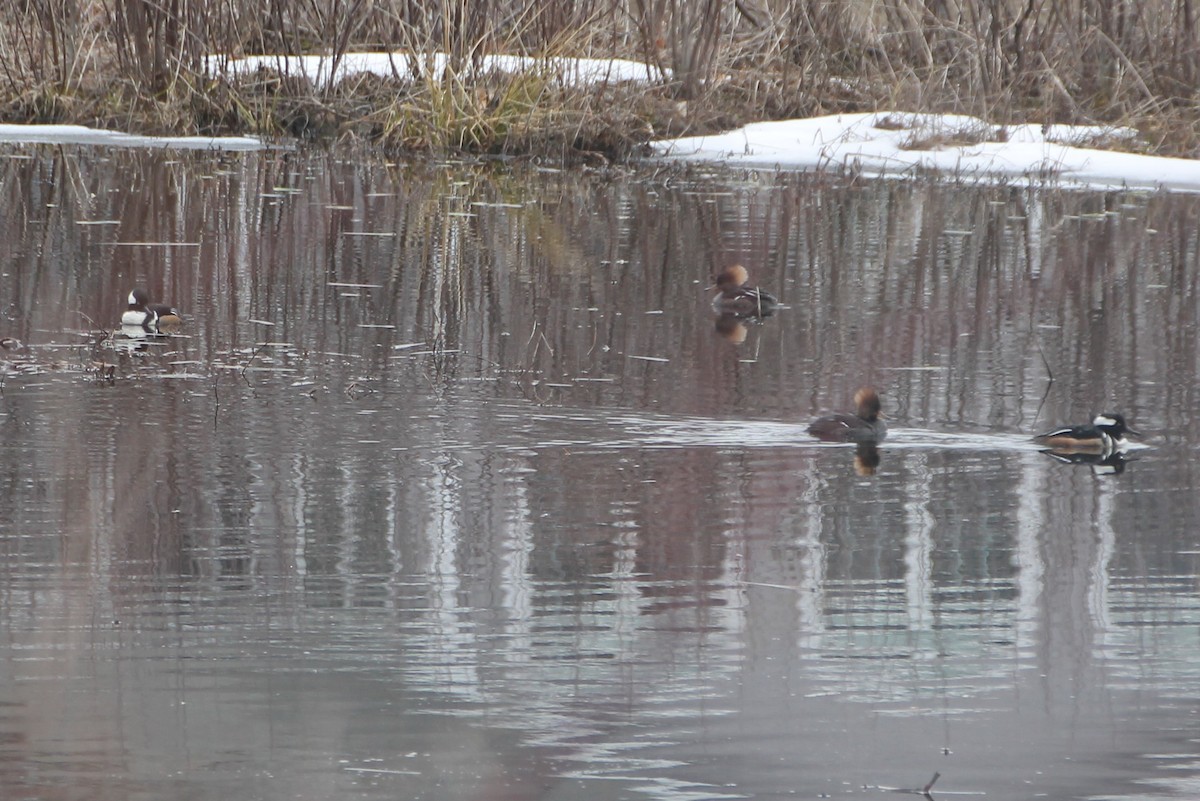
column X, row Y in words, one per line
column 735, row 297
column 865, row 425
column 17, row 359
column 1106, row 434
column 151, row 317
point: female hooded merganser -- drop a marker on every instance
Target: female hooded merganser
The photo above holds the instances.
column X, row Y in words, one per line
column 865, row 425
column 1106, row 434
column 153, row 317
column 737, row 298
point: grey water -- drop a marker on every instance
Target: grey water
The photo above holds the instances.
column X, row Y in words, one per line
column 453, row 486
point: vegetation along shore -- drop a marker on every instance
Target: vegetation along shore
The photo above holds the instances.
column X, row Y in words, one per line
column 490, row 76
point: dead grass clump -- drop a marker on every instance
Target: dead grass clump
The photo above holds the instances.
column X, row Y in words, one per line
column 1176, row 133
column 944, row 139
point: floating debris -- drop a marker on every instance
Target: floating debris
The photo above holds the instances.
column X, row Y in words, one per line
column 156, row 244
column 250, row 369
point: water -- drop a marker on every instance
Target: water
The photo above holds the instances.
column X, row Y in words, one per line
column 452, row 488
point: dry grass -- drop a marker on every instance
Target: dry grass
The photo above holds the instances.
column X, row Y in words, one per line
column 138, row 65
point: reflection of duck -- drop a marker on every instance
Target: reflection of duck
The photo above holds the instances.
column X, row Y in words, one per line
column 738, row 299
column 1105, row 435
column 732, row 328
column 866, row 458
column 154, row 317
column 131, row 337
column 865, row 425
column 1102, row 464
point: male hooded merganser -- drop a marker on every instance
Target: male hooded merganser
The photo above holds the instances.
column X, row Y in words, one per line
column 737, row 298
column 150, row 316
column 865, row 425
column 18, row 359
column 1106, row 434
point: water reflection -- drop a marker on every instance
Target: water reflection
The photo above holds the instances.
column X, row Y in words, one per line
column 1102, row 464
column 866, row 458
column 451, row 485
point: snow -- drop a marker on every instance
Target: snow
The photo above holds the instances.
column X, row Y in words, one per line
column 81, row 135
column 571, row 71
column 898, row 143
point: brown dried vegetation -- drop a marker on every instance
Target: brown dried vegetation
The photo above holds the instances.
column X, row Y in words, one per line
column 139, row 65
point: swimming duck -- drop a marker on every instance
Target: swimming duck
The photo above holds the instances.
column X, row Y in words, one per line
column 734, row 297
column 865, row 425
column 1105, row 434
column 17, row 359
column 153, row 317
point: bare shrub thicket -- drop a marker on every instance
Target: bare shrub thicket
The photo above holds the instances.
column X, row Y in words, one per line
column 140, row 64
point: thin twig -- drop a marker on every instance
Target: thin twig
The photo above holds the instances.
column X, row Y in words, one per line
column 929, row 786
column 253, row 356
column 1046, row 362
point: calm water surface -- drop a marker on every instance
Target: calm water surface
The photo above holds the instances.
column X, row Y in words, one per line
column 454, row 488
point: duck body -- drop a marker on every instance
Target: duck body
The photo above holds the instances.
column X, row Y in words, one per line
column 18, row 360
column 736, row 297
column 152, row 317
column 865, row 425
column 1106, row 434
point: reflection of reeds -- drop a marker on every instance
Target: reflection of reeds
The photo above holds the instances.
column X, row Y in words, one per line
column 140, row 65
column 958, row 302
column 496, row 278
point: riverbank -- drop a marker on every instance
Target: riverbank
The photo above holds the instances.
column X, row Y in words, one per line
column 489, row 77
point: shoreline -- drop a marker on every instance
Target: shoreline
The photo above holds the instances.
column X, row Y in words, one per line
column 593, row 84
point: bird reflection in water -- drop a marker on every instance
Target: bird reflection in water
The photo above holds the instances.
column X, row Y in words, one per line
column 1102, row 464
column 732, row 328
column 130, row 339
column 866, row 458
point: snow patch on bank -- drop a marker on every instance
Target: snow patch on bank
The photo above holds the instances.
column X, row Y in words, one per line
column 322, row 70
column 898, row 143
column 81, row 135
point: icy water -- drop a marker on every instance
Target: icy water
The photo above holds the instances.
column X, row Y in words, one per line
column 453, row 487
